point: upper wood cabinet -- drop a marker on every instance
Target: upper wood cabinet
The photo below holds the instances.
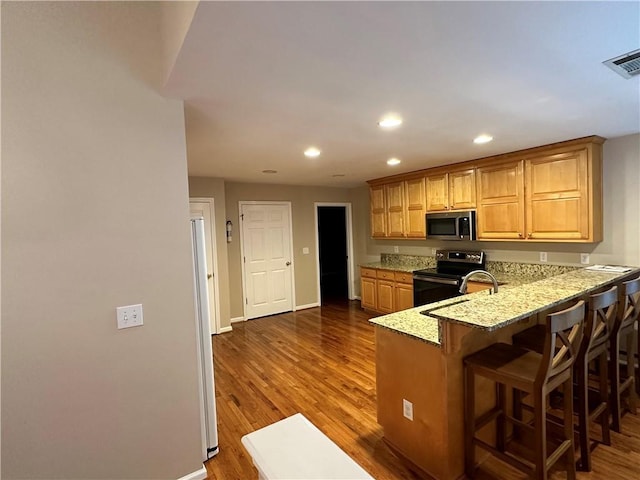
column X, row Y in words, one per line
column 378, row 211
column 455, row 190
column 414, row 225
column 501, row 201
column 559, row 197
column 397, row 209
column 551, row 194
column 549, row 197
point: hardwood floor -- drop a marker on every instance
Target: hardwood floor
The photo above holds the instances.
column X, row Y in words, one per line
column 321, row 362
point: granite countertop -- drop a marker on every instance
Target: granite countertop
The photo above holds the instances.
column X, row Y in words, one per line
column 518, row 299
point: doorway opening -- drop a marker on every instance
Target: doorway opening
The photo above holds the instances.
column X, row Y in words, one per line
column 335, row 271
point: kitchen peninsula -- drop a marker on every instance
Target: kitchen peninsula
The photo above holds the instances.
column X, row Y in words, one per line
column 419, row 360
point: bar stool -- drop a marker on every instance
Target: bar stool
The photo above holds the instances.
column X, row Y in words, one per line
column 591, row 404
column 627, row 319
column 532, row 373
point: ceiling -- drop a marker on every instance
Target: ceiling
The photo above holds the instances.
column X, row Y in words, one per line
column 263, row 81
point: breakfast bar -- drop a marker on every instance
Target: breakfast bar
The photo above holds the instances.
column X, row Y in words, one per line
column 419, row 361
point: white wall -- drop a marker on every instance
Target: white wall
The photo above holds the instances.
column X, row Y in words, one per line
column 94, row 215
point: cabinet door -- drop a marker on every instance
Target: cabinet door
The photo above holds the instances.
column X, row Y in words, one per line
column 404, row 296
column 385, row 296
column 473, row 287
column 501, row 202
column 378, row 212
column 462, row 189
column 415, row 209
column 557, row 197
column 437, row 187
column 395, row 209
column 368, row 293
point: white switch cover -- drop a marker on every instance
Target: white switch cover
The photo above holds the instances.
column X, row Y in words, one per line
column 407, row 409
column 585, row 259
column 396, row 249
column 433, row 251
column 543, row 256
column 129, row 316
column 305, row 250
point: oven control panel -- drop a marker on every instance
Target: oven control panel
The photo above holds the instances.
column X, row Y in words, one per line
column 460, row 256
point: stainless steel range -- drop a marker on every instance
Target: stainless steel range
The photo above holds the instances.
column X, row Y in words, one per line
column 435, row 284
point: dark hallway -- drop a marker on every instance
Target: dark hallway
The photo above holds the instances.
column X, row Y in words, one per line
column 332, row 237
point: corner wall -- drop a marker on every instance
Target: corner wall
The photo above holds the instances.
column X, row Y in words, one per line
column 94, row 216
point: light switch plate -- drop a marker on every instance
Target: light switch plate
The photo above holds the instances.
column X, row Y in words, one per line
column 305, row 250
column 543, row 256
column 396, row 249
column 407, row 409
column 585, row 259
column 433, row 251
column 129, row 316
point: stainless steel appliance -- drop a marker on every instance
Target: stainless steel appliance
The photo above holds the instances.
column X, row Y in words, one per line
column 435, row 284
column 451, row 225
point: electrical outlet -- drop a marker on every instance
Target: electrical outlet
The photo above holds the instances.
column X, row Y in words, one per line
column 396, row 249
column 433, row 251
column 305, row 250
column 407, row 409
column 129, row 316
column 585, row 259
column 543, row 256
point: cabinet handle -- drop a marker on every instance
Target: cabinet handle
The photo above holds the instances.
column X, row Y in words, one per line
column 530, row 235
column 520, row 235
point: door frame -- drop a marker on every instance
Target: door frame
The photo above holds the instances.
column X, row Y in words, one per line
column 214, row 260
column 291, row 250
column 349, row 233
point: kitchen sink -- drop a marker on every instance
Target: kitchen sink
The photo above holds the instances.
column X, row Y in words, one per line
column 427, row 312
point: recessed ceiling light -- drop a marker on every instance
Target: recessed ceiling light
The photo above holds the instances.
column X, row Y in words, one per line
column 393, row 161
column 390, row 120
column 312, row 152
column 269, row 171
column 482, row 139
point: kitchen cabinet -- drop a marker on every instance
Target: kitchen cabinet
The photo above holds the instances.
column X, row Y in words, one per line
column 551, row 193
column 368, row 289
column 473, row 287
column 415, row 208
column 548, row 196
column 397, row 209
column 404, row 290
column 453, row 190
column 394, row 194
column 559, row 197
column 501, row 212
column 378, row 211
column 385, row 291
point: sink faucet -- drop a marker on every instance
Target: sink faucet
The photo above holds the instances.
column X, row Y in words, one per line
column 465, row 280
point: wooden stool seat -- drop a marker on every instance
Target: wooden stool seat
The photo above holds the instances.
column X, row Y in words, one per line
column 591, row 404
column 532, row 373
column 624, row 329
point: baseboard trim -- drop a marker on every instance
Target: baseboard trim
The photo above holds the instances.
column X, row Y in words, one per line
column 197, row 475
column 237, row 319
column 356, row 297
column 226, row 329
column 308, row 305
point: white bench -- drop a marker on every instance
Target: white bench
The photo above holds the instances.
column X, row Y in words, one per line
column 294, row 449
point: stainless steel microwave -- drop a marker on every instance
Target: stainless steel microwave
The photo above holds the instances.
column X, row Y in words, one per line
column 451, row 225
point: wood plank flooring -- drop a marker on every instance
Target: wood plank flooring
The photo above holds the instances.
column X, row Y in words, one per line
column 321, row 362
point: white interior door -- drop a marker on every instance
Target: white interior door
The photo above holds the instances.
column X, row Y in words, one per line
column 266, row 251
column 204, row 208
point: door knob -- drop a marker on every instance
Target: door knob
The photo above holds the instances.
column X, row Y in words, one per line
column 288, row 263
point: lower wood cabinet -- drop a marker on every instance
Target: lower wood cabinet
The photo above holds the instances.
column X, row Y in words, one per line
column 385, row 291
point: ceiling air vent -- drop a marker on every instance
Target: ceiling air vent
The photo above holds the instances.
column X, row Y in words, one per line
column 627, row 65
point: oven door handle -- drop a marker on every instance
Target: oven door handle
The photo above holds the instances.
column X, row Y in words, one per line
column 444, row 281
